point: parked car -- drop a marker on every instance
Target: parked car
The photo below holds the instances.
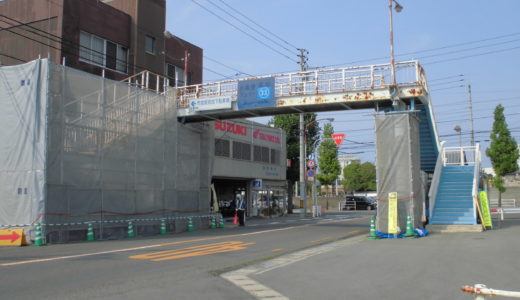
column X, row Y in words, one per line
column 359, row 203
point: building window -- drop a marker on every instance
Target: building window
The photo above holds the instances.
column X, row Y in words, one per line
column 241, row 151
column 261, row 154
column 275, row 157
column 175, row 74
column 122, row 57
column 97, row 51
column 222, row 148
column 149, row 44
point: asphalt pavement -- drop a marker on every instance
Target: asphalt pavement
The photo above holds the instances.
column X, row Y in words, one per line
column 183, row 265
column 433, row 267
column 280, row 258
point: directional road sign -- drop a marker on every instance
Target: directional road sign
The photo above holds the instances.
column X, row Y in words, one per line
column 11, row 237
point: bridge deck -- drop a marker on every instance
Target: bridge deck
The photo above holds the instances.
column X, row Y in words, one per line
column 310, row 91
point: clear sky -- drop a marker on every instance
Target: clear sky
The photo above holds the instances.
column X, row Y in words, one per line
column 479, row 39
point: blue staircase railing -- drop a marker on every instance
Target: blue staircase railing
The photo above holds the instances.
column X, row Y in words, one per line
column 454, row 189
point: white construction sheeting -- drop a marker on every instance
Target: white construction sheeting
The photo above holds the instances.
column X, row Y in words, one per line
column 78, row 148
column 23, row 102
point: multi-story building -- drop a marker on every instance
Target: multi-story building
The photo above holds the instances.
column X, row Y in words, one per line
column 250, row 162
column 114, row 38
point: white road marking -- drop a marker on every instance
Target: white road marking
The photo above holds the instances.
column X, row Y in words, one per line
column 241, row 278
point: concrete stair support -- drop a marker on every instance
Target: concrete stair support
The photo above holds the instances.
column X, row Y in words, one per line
column 454, row 228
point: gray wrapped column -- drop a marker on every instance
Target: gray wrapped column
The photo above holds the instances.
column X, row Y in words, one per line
column 398, row 169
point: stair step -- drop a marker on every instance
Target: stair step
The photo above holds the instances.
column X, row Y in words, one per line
column 454, row 190
column 454, row 228
column 467, row 192
column 441, row 213
column 453, row 204
column 443, row 194
column 453, row 221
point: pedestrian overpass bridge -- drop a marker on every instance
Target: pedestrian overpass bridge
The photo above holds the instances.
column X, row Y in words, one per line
column 99, row 117
column 313, row 91
column 453, row 172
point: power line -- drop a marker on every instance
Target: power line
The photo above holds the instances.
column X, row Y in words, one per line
column 224, row 65
column 75, row 45
column 250, row 27
column 265, row 29
column 468, row 49
column 447, row 82
column 444, row 78
column 11, row 57
column 56, row 39
column 244, row 32
column 427, row 50
column 470, row 56
column 448, row 88
column 458, row 120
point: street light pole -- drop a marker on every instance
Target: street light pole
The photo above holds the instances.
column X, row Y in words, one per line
column 398, row 8
column 303, row 192
column 305, row 159
column 303, row 196
column 314, row 156
column 458, row 129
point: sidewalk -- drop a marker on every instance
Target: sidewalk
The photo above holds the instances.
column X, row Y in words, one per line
column 434, row 267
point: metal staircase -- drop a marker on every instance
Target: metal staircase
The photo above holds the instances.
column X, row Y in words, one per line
column 429, row 143
column 455, row 186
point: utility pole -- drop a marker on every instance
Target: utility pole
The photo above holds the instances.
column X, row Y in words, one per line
column 186, row 65
column 303, row 191
column 471, row 116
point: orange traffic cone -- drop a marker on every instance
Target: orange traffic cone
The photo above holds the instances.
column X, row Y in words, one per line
column 235, row 219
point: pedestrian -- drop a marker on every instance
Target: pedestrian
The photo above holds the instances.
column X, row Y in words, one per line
column 241, row 210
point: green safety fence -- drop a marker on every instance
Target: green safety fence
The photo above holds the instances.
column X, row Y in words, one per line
column 170, row 218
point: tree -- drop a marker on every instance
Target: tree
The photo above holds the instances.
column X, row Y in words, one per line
column 328, row 158
column 360, row 177
column 352, row 180
column 291, row 125
column 368, row 176
column 503, row 151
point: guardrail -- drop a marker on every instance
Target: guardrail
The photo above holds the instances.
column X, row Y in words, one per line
column 476, row 178
column 347, row 205
column 432, row 194
column 503, row 210
column 468, row 155
column 327, row 81
column 505, row 202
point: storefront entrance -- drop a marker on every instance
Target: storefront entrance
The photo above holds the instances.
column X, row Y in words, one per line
column 269, row 200
column 227, row 191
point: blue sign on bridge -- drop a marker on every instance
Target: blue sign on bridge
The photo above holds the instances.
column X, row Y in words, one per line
column 256, row 93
